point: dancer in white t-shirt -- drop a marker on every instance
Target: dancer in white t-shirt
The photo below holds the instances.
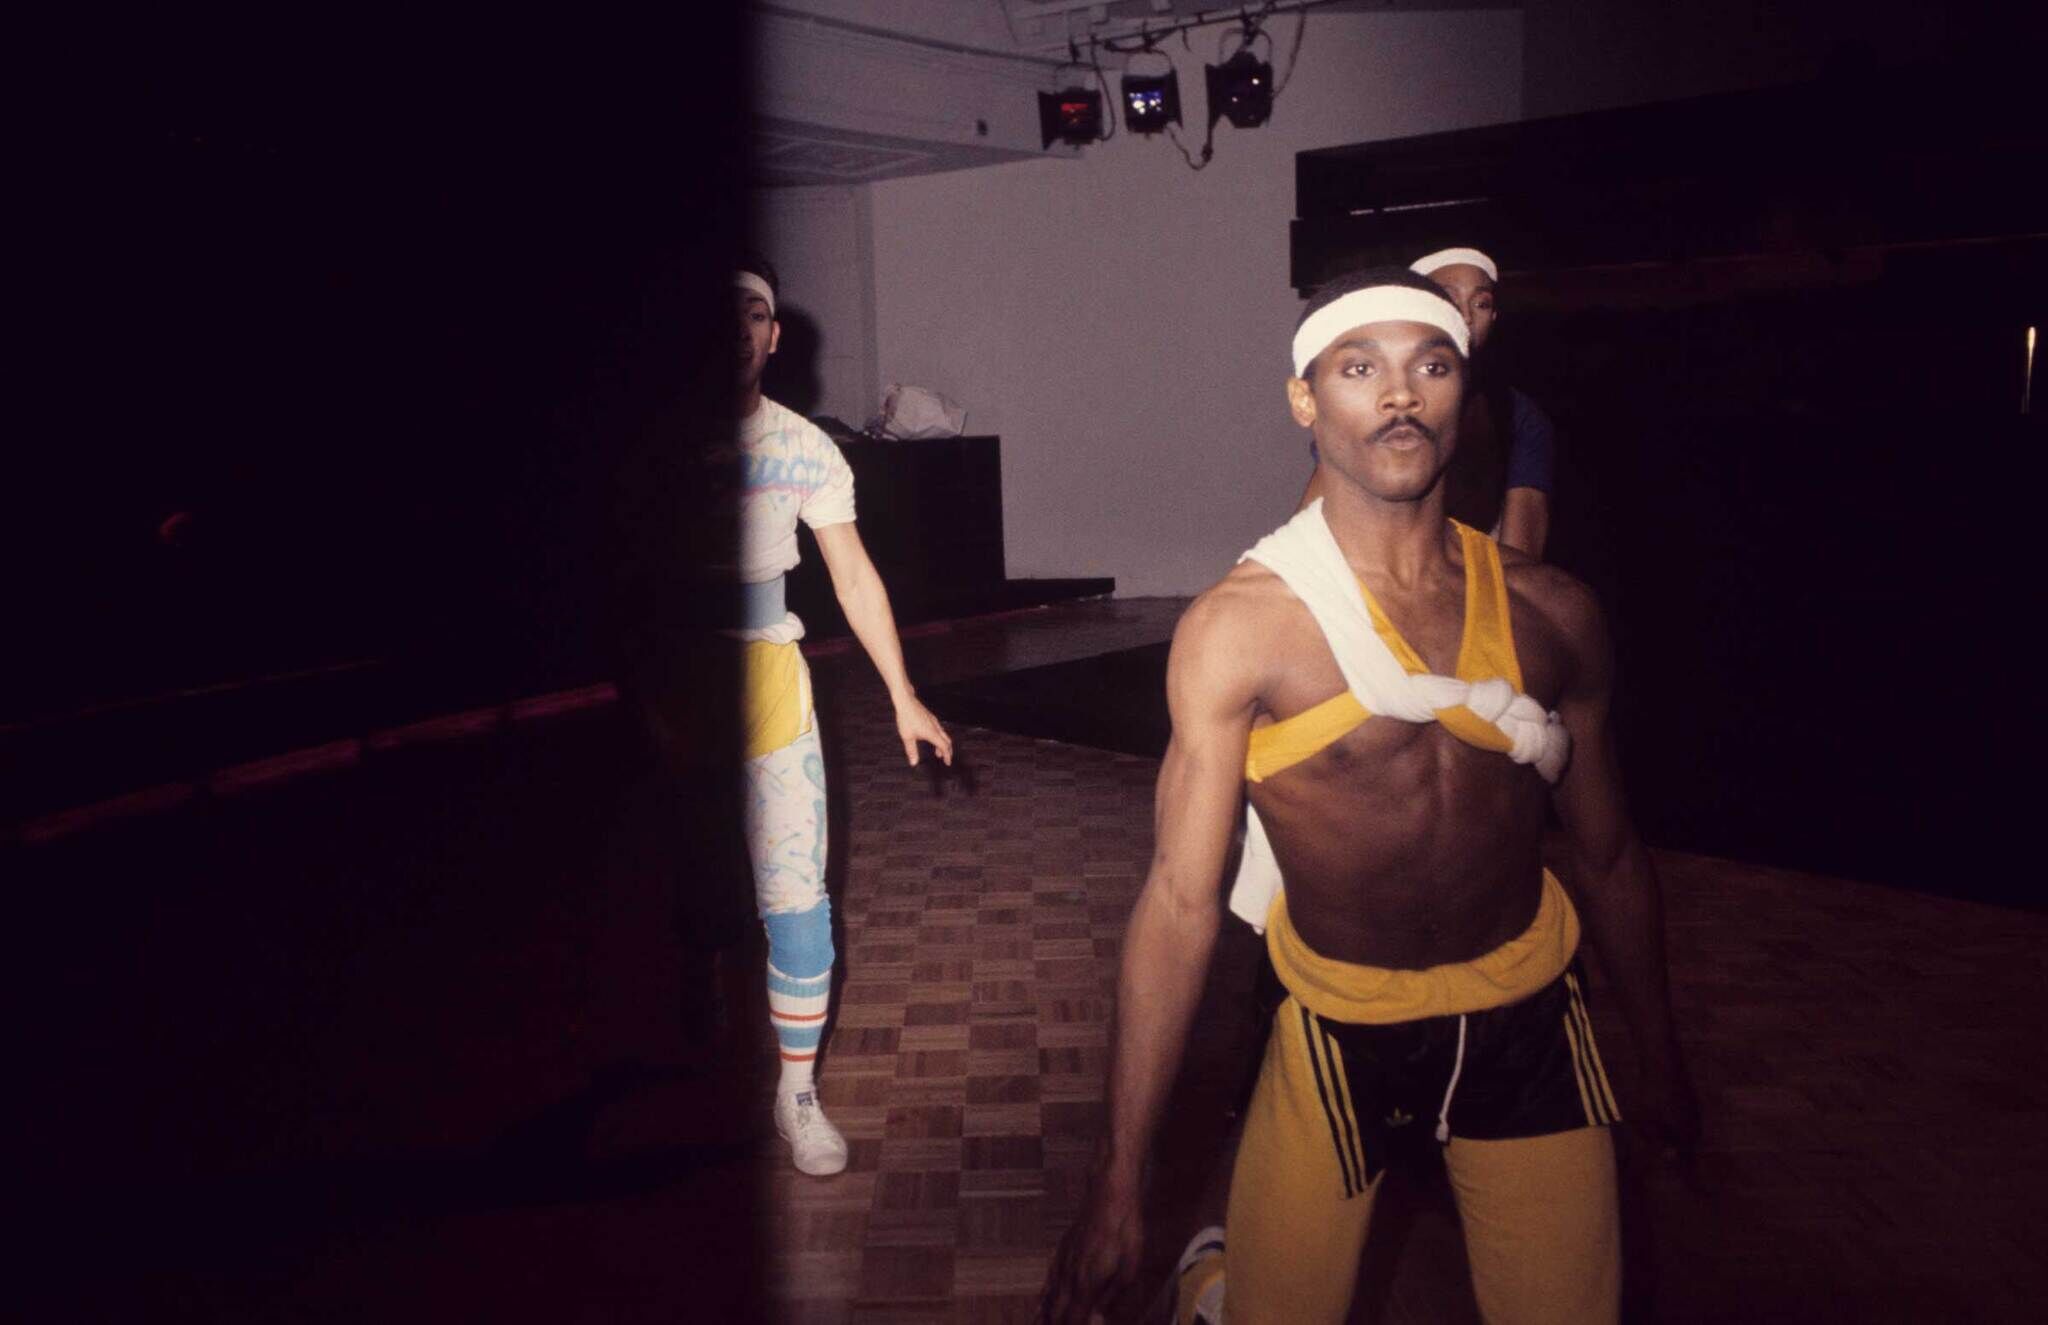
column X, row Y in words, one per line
column 790, row 471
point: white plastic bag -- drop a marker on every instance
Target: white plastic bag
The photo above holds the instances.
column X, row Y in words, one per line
column 912, row 412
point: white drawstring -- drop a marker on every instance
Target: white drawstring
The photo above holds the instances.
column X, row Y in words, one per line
column 1443, row 1115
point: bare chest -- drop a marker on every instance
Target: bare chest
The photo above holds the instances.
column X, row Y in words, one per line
column 1400, row 843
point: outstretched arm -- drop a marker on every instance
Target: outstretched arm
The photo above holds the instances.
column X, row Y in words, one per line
column 865, row 601
column 1620, row 900
column 1167, row 947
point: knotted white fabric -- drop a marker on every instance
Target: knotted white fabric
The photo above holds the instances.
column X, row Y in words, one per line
column 1304, row 554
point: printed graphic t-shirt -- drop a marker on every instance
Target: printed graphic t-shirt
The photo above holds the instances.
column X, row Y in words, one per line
column 790, row 471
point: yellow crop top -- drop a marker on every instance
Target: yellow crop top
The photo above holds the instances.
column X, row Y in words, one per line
column 1487, row 650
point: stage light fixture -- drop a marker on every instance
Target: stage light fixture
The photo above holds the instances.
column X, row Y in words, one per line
column 1072, row 115
column 1151, row 99
column 1240, row 90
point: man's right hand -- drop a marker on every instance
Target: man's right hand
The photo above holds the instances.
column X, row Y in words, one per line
column 1097, row 1259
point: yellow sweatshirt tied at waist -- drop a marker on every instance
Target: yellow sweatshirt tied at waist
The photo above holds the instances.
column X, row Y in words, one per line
column 1380, row 996
column 776, row 696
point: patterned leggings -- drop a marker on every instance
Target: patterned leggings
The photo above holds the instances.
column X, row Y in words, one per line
column 786, row 837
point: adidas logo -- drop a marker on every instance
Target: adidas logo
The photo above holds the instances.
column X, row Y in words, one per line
column 1400, row 1118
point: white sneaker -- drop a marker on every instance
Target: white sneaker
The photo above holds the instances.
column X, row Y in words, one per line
column 814, row 1142
column 1198, row 1279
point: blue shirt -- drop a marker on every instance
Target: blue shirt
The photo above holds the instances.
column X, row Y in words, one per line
column 1532, row 455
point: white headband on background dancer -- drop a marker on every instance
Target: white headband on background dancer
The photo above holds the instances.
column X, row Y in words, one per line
column 1451, row 257
column 1377, row 303
column 746, row 280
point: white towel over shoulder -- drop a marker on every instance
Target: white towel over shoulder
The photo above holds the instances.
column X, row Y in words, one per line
column 1304, row 554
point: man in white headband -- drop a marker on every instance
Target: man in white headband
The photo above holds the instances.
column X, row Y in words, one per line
column 789, row 470
column 1402, row 703
column 1506, row 471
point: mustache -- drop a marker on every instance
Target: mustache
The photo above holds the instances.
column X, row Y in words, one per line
column 1404, row 421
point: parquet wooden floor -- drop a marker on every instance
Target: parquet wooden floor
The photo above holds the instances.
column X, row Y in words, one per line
column 405, row 1042
column 1869, row 1060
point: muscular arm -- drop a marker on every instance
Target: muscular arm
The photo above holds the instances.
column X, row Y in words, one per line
column 1616, row 885
column 1167, row 946
column 865, row 601
column 1173, row 926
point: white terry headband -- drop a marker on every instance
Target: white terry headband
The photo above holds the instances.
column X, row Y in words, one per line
column 746, row 280
column 1377, row 303
column 1450, row 257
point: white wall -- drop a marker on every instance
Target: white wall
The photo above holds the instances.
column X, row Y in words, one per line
column 1123, row 322
column 818, row 240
